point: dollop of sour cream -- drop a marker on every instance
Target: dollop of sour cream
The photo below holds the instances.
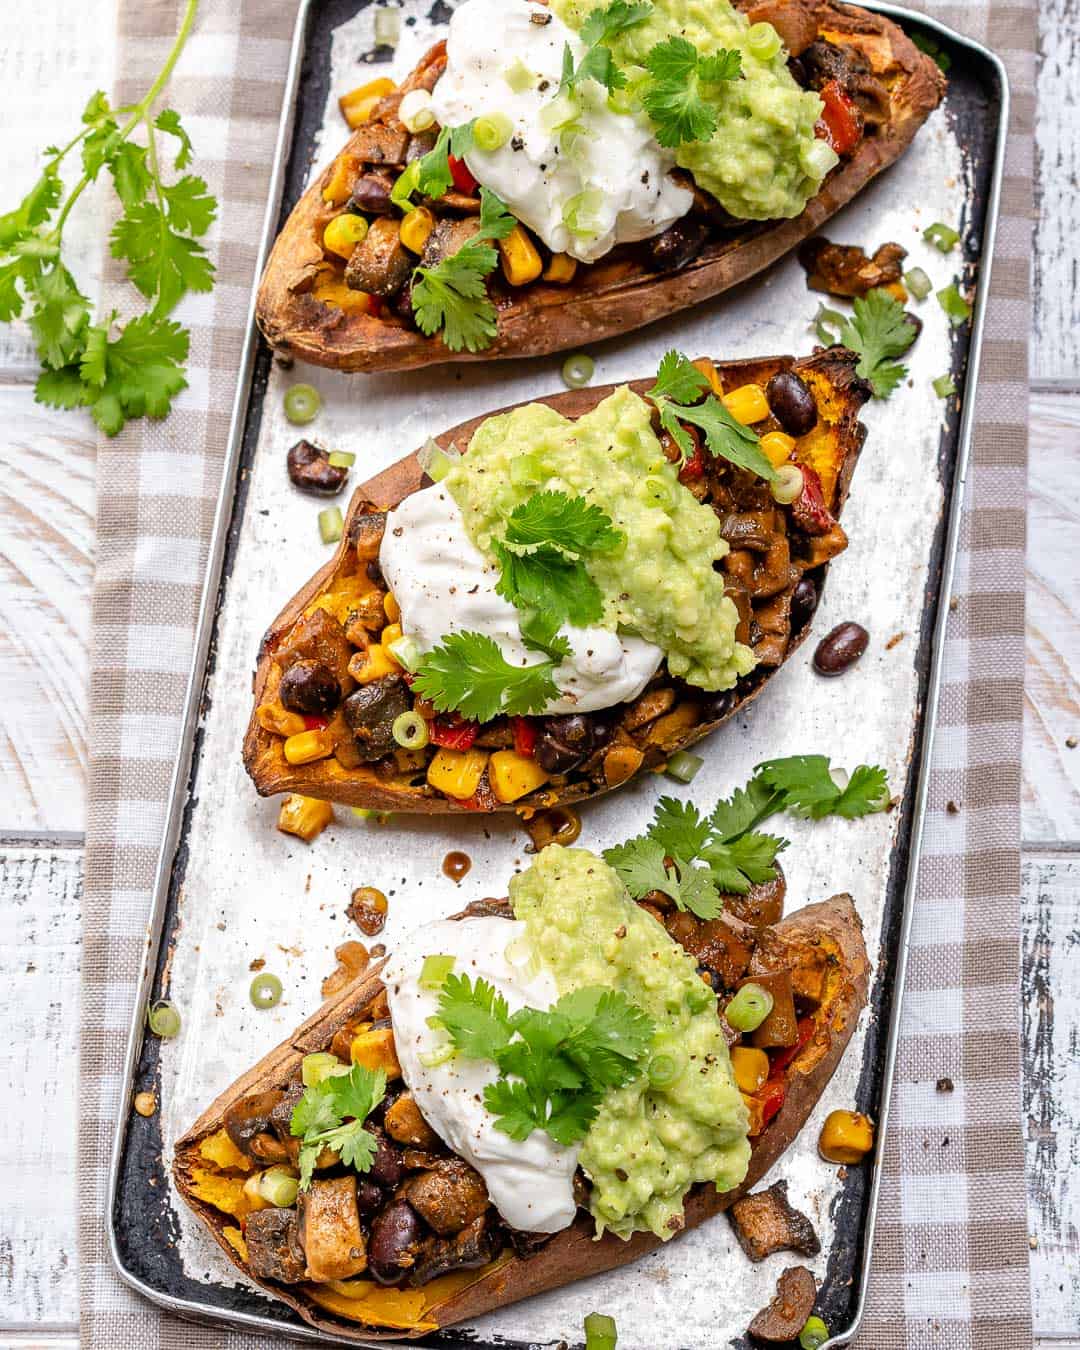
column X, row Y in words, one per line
column 530, row 1182
column 542, row 169
column 444, row 584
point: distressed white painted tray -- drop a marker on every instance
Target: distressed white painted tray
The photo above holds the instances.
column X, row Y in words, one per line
column 231, row 889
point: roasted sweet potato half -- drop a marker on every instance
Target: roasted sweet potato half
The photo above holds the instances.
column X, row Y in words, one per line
column 456, row 1259
column 355, row 313
column 327, row 639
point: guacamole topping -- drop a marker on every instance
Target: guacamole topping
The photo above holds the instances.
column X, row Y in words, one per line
column 661, row 583
column 763, row 163
column 649, row 1143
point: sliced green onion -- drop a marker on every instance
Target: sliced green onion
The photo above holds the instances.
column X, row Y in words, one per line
column 519, row 77
column 432, row 1059
column 331, row 524
column 314, row 1068
column 944, row 385
column 435, row 1023
column 600, row 1332
column 955, row 306
column 387, row 27
column 415, row 110
column 749, row 1008
column 527, row 470
column 163, row 1019
column 364, row 813
column 699, row 996
column 918, row 283
column 435, row 461
column 943, row 237
column 627, row 100
column 410, row 731
column 302, row 404
column 788, row 484
column 663, row 1070
column 279, row 1187
column 684, row 766
column 814, row 1334
column 762, row 41
column 342, row 459
column 560, row 112
column 406, row 651
column 581, row 213
column 434, row 971
column 265, row 991
column 492, row 132
column 824, row 321
column 578, row 370
column 817, row 158
column 658, row 491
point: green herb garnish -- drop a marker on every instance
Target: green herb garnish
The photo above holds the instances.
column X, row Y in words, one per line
column 468, row 673
column 117, row 370
column 679, row 384
column 877, row 332
column 331, row 1114
column 673, row 100
column 596, row 62
column 554, row 1066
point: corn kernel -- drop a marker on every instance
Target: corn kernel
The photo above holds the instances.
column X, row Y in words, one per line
column 750, row 1067
column 513, row 775
column 277, row 719
column 561, row 269
column 340, row 179
column 306, row 817
column 747, row 404
column 457, row 773
column 521, row 263
column 357, row 105
column 846, row 1137
column 777, row 446
column 415, row 229
column 333, row 291
column 711, row 374
column 375, row 1049
column 390, row 633
column 307, row 746
column 343, row 234
column 391, row 607
column 374, row 664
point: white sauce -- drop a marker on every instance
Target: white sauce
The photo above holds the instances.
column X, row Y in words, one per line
column 444, row 584
column 530, row 1183
column 618, row 158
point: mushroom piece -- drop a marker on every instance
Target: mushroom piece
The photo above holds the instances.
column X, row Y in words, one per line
column 766, row 1222
column 310, row 470
column 786, row 1315
column 330, row 1231
column 449, row 1197
column 273, row 1245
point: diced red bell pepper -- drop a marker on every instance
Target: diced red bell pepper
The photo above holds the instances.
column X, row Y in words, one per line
column 314, row 723
column 483, row 799
column 525, row 733
column 463, row 179
column 841, row 122
column 808, row 510
column 451, row 734
column 771, row 1098
column 694, row 468
column 780, row 1061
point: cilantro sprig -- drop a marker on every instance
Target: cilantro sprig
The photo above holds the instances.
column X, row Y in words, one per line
column 331, row 1114
column 696, row 859
column 119, row 370
column 877, row 332
column 430, row 176
column 676, row 394
column 597, row 62
column 554, row 1066
column 674, row 101
column 467, row 673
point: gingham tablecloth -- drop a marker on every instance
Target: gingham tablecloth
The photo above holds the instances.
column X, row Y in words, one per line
column 950, row 1268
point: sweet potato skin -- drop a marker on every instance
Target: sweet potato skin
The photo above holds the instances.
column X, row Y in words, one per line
column 831, row 374
column 833, row 923
column 616, row 295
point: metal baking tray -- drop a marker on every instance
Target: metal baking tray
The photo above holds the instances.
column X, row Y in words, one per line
column 229, row 888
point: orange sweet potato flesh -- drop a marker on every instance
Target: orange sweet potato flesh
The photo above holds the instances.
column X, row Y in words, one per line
column 831, row 448
column 833, row 925
column 617, row 294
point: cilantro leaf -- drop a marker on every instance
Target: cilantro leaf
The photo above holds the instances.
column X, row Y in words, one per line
column 130, row 174
column 608, row 1034
column 162, row 263
column 674, row 101
column 62, row 314
column 568, row 523
column 605, row 23
column 745, row 808
column 570, row 1116
column 597, row 62
column 513, row 1108
column 453, row 296
column 191, row 207
column 877, row 332
column 468, row 673
column 645, row 865
column 475, row 1017
column 34, row 209
column 810, row 790
column 678, row 826
column 331, row 1115
column 678, row 379
column 61, row 388
column 168, row 120
column 496, row 222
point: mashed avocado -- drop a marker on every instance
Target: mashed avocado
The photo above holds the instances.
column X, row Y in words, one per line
column 661, row 584
column 762, row 163
column 649, row 1143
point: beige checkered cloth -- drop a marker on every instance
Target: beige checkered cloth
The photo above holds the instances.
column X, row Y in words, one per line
column 950, row 1268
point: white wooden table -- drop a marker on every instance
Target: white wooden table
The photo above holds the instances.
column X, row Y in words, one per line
column 47, row 71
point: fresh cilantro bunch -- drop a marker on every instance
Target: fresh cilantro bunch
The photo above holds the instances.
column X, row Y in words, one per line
column 452, row 295
column 331, row 1115
column 674, row 101
column 676, row 393
column 696, row 859
column 554, row 1066
column 118, row 370
column 877, row 331
column 597, row 62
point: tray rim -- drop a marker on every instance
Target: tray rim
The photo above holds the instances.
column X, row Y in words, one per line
column 207, row 616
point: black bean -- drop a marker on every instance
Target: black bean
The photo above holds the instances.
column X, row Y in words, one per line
column 839, row 650
column 395, row 1233
column 386, row 1169
column 309, row 687
column 791, row 403
column 717, row 706
column 368, row 1196
column 310, row 470
column 371, row 196
column 803, row 602
column 564, row 742
column 678, row 245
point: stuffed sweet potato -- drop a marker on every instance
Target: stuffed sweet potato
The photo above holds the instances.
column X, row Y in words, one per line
column 329, row 690
column 412, row 1237
column 340, row 288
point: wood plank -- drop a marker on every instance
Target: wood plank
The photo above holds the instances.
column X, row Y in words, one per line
column 1054, row 352
column 1051, row 805
column 39, row 1011
column 1050, row 1011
